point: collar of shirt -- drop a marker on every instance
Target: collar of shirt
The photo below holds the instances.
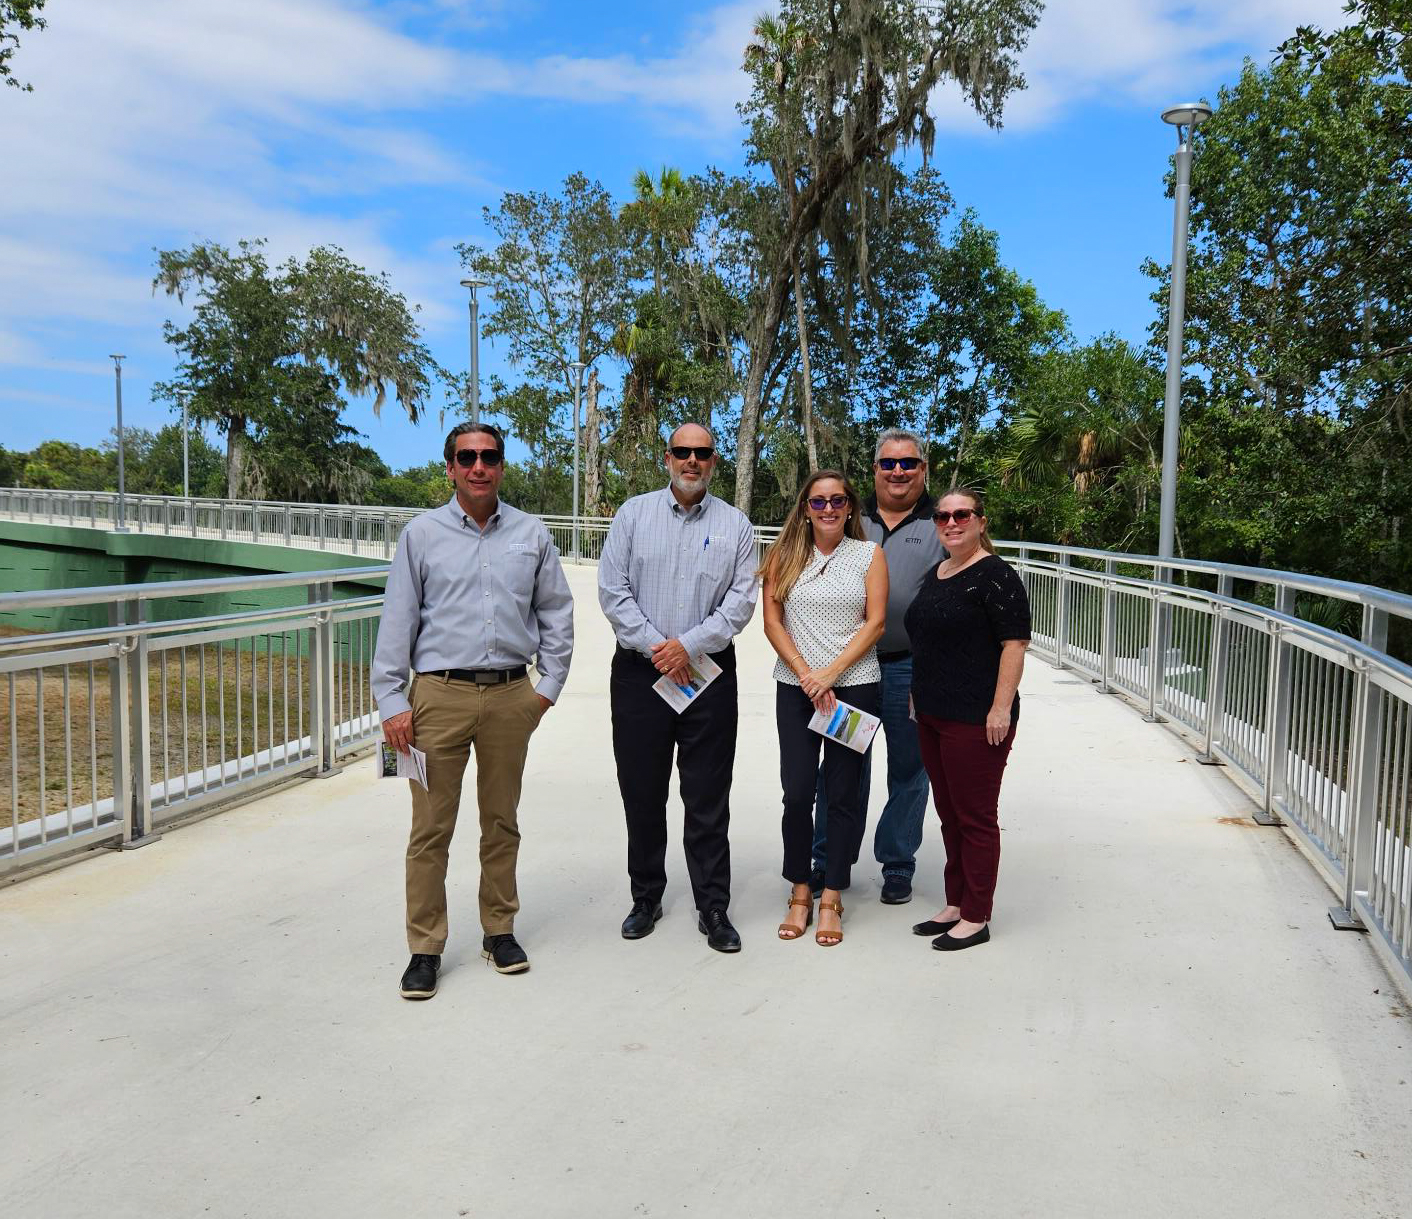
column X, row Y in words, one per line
column 921, row 511
column 696, row 509
column 462, row 518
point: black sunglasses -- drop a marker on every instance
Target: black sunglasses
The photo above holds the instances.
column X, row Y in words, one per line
column 820, row 502
column 466, row 458
column 682, row 451
column 907, row 463
column 942, row 517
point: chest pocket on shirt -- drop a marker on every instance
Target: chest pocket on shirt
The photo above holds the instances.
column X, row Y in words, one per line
column 517, row 573
column 713, row 564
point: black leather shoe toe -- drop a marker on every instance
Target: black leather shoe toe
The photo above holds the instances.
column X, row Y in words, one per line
column 505, row 953
column 419, row 980
column 641, row 919
column 717, row 929
column 933, row 927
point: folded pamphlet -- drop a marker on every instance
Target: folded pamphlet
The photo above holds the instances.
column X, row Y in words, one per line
column 702, row 672
column 846, row 725
column 394, row 764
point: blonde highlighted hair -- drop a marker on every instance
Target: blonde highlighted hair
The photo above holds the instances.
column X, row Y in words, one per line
column 789, row 554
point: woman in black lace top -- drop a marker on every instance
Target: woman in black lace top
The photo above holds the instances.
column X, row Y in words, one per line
column 969, row 627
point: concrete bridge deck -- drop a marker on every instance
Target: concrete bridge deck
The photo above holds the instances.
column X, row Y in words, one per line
column 1163, row 1025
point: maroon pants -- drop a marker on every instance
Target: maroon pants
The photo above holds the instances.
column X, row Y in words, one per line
column 965, row 773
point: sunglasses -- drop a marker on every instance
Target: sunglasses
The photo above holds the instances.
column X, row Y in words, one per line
column 682, row 451
column 942, row 517
column 820, row 502
column 892, row 463
column 466, row 458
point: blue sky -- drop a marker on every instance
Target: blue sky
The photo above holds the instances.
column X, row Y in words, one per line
column 386, row 127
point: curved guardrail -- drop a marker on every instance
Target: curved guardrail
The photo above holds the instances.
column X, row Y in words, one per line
column 1314, row 723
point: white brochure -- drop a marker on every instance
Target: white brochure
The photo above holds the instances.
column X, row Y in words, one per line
column 846, row 725
column 703, row 671
column 394, row 764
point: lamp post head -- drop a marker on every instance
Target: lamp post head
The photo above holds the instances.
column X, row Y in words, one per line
column 1187, row 114
column 474, row 282
column 117, row 358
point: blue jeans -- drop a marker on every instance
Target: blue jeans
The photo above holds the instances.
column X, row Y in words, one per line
column 899, row 831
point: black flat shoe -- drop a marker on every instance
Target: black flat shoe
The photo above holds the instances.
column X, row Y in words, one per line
column 717, row 929
column 932, row 927
column 641, row 919
column 505, row 953
column 949, row 943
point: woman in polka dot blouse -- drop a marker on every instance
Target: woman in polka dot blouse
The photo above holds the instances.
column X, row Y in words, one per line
column 825, row 603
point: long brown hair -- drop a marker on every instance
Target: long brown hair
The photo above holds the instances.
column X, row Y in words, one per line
column 789, row 554
column 974, row 496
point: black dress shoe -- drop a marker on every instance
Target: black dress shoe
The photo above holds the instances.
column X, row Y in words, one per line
column 933, row 927
column 717, row 929
column 419, row 982
column 641, row 919
column 949, row 943
column 896, row 890
column 505, row 953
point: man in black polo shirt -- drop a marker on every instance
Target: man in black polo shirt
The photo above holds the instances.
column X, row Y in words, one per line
column 898, row 517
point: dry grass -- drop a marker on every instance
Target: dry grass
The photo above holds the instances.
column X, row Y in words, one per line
column 266, row 702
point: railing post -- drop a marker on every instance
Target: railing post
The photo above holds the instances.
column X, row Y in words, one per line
column 132, row 741
column 288, row 536
column 93, row 512
column 387, row 535
column 222, row 510
column 323, row 530
column 119, row 709
column 1109, row 639
column 1156, row 662
column 322, row 710
column 1216, row 662
column 255, row 519
column 1061, row 614
column 1274, row 783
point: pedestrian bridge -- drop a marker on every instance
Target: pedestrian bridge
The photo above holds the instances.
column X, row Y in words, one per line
column 1166, row 1022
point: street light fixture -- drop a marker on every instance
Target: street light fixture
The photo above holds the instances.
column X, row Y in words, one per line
column 1185, row 118
column 121, row 526
column 473, row 283
column 578, row 366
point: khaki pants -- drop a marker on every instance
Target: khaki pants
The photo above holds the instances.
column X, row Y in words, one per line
column 448, row 717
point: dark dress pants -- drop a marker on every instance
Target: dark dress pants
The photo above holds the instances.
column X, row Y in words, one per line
column 799, row 769
column 645, row 732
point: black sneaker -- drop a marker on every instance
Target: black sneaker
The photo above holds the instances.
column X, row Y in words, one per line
column 504, row 953
column 896, row 890
column 419, row 982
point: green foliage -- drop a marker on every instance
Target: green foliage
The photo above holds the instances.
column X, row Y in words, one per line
column 17, row 15
column 269, row 352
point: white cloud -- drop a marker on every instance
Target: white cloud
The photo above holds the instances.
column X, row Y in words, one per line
column 1139, row 52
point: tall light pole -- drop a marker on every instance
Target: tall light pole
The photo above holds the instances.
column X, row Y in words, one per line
column 121, row 526
column 185, row 453
column 578, row 366
column 473, row 283
column 1185, row 118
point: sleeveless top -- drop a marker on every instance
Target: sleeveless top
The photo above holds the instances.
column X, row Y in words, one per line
column 826, row 607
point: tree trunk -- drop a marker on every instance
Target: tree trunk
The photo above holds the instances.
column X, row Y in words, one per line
column 747, row 435
column 807, row 398
column 237, row 459
column 592, row 449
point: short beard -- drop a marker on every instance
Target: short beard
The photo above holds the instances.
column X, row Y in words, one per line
column 689, row 490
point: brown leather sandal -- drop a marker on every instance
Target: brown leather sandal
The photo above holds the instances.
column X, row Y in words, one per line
column 788, row 931
column 837, row 908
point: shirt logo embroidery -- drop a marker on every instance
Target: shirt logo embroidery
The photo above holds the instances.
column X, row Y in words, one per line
column 521, row 548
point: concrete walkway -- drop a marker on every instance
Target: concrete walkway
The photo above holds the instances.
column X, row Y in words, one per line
column 1164, row 1024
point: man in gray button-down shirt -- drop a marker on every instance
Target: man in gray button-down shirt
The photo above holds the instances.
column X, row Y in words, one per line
column 677, row 578
column 474, row 595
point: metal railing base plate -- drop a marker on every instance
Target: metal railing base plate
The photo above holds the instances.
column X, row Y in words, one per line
column 134, row 844
column 1261, row 817
column 1344, row 919
column 1206, row 759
